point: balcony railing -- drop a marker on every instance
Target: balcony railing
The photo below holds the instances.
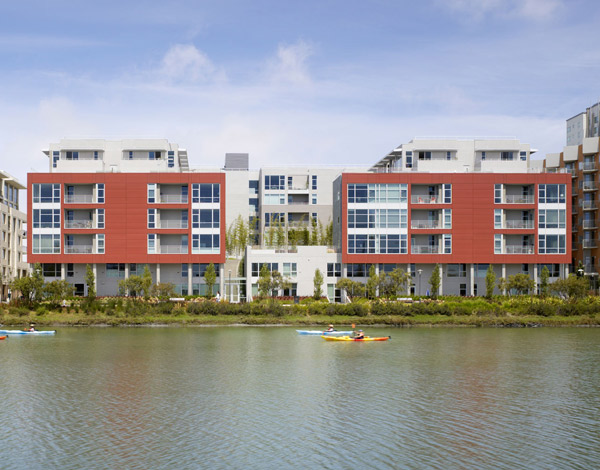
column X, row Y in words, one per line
column 518, row 224
column 519, row 250
column 79, row 224
column 79, row 199
column 587, row 244
column 424, row 249
column 173, row 224
column 172, row 249
column 589, row 205
column 590, row 269
column 589, row 166
column 589, row 224
column 518, row 199
column 424, row 224
column 425, row 199
column 79, row 249
column 172, row 199
column 589, row 185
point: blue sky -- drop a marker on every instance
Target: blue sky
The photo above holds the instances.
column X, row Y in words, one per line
column 313, row 82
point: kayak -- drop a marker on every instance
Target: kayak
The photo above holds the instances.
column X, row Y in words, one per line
column 348, row 338
column 2, row 337
column 22, row 332
column 321, row 333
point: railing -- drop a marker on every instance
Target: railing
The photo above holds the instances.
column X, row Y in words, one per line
column 79, row 224
column 518, row 199
column 588, row 205
column 519, row 250
column 425, row 199
column 590, row 268
column 79, row 249
column 298, row 188
column 589, row 186
column 589, row 244
column 299, row 203
column 172, row 249
column 172, row 199
column 79, row 199
column 420, row 224
column 588, row 224
column 518, row 224
column 589, row 166
column 424, row 249
column 173, row 224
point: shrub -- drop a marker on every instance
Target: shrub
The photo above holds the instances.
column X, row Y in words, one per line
column 163, row 308
column 18, row 311
column 41, row 311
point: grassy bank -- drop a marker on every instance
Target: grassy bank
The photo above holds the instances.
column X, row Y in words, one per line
column 450, row 311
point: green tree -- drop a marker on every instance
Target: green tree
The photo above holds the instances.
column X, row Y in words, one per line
column 30, row 286
column 132, row 286
column 399, row 281
column 314, row 232
column 372, row 283
column 230, row 240
column 90, row 281
column 352, row 288
column 280, row 234
column 241, row 235
column 210, row 278
column 163, row 290
column 544, row 275
column 146, row 281
column 58, row 290
column 572, row 288
column 318, row 284
column 434, row 281
column 490, row 281
column 264, row 281
column 502, row 285
column 521, row 283
column 329, row 234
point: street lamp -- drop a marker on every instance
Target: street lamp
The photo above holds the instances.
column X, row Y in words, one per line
column 419, row 271
column 230, row 286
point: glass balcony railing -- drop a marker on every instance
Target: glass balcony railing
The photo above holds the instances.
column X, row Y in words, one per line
column 519, row 250
column 424, row 249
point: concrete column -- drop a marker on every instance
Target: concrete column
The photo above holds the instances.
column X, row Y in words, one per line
column 441, row 279
column 189, row 268
column 95, row 271
column 566, row 271
column 157, row 273
column 535, row 276
column 472, row 279
column 126, row 270
column 503, row 275
column 222, row 279
column 63, row 271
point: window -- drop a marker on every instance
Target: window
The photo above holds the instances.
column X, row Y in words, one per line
column 154, row 155
column 205, row 192
column 552, row 218
column 313, row 199
column 497, row 193
column 552, row 193
column 314, row 182
column 481, row 270
column 253, row 187
column 358, row 269
column 498, row 243
column 100, row 218
column 272, row 218
column 456, row 270
column 130, row 155
column 358, row 193
column 447, row 188
column 334, row 269
column 424, row 155
column 205, row 243
column 290, row 270
column 51, row 269
column 447, row 243
column 483, row 155
column 205, row 218
column 358, row 243
column 409, row 162
column 506, row 155
column 151, row 218
column 497, row 218
column 523, row 156
column 70, row 270
column 274, row 199
column 100, row 243
column 100, row 193
column 95, row 154
column 151, row 243
column 274, row 182
column 525, row 268
column 551, row 244
column 115, row 270
column 256, row 267
column 55, row 158
column 46, row 193
column 447, row 218
column 72, row 155
column 448, row 155
column 553, row 269
column 46, row 244
column 46, row 218
column 171, row 159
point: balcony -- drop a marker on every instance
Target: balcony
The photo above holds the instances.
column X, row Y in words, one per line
column 172, row 199
column 424, row 249
column 587, row 244
column 589, row 186
column 172, row 249
column 588, row 224
column 589, row 205
column 79, row 224
column 518, row 199
column 425, row 199
column 519, row 250
column 518, row 224
column 177, row 224
column 425, row 224
column 588, row 167
column 79, row 199
column 590, row 269
column 79, row 249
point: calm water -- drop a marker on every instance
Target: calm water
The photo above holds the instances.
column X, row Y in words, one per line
column 266, row 398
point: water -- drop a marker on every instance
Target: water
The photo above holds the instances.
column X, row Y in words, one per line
column 266, row 398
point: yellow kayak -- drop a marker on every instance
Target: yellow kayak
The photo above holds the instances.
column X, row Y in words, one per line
column 349, row 338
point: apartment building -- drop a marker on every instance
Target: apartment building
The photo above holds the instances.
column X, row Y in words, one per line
column 120, row 205
column 12, row 260
column 583, row 125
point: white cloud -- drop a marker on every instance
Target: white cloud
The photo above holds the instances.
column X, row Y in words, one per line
column 290, row 64
column 535, row 10
column 185, row 63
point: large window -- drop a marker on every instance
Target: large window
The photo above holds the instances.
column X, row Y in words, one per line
column 205, row 218
column 274, row 199
column 202, row 243
column 290, row 270
column 551, row 244
column 46, row 193
column 46, row 244
column 380, row 193
column 358, row 193
column 256, row 267
column 51, row 269
column 205, row 192
column 552, row 193
column 272, row 218
column 274, row 182
column 115, row 270
column 46, row 218
column 385, row 244
column 334, row 269
column 377, row 218
column 552, row 218
column 358, row 269
column 456, row 270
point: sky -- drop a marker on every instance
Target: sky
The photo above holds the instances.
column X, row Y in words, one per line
column 323, row 82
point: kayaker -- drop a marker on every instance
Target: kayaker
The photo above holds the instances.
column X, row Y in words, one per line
column 330, row 328
column 359, row 335
column 31, row 327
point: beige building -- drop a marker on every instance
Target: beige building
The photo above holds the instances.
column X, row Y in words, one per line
column 12, row 226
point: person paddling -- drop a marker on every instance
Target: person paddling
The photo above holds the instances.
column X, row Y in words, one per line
column 330, row 328
column 359, row 335
column 31, row 327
